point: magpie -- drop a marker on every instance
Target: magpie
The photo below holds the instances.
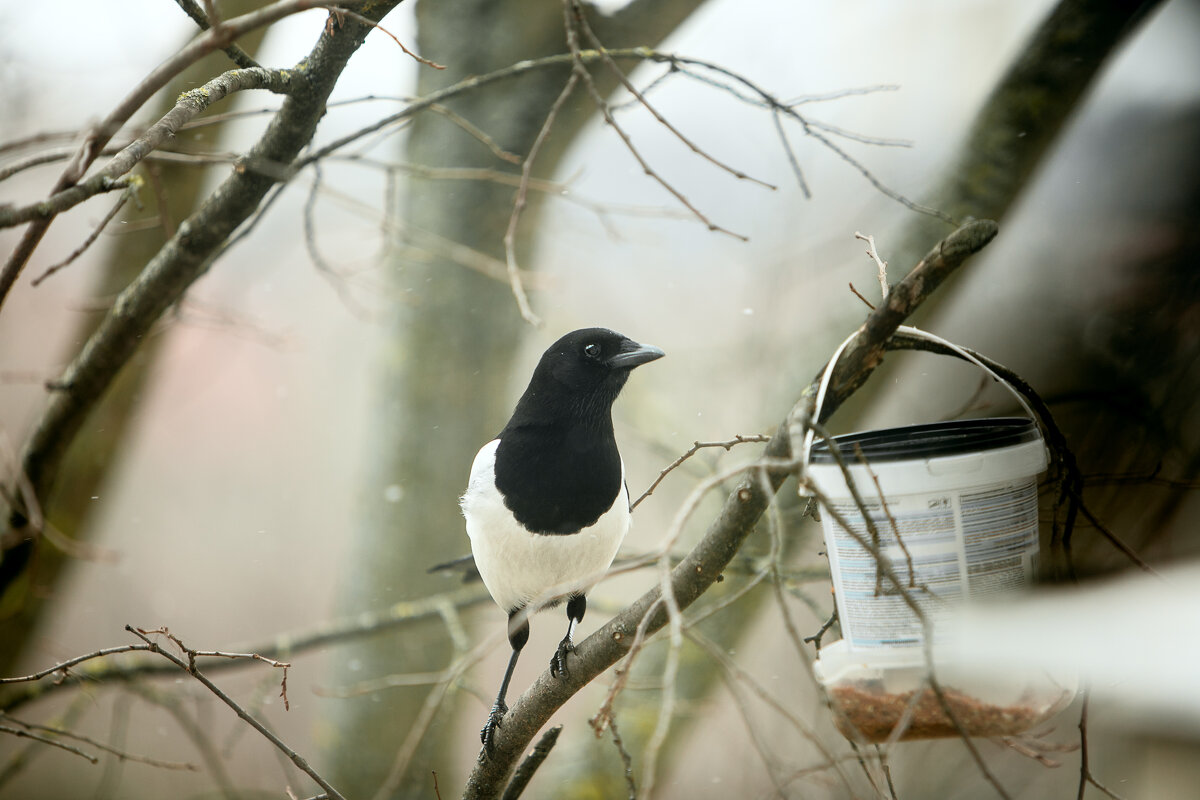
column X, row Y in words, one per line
column 546, row 505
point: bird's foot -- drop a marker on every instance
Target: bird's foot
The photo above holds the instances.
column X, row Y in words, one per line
column 488, row 734
column 558, row 663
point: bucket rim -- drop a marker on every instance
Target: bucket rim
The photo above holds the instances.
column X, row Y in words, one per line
column 929, row 440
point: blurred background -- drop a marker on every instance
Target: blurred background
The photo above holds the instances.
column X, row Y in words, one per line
column 288, row 447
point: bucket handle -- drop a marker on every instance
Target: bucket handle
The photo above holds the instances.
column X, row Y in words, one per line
column 827, row 376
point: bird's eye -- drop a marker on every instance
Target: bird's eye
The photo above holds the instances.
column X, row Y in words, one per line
column 592, row 350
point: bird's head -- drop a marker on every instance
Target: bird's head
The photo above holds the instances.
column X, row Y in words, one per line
column 585, row 369
column 594, row 360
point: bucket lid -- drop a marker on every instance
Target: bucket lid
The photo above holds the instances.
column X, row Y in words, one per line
column 931, row 440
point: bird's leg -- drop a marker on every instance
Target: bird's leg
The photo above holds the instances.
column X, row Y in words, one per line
column 576, row 606
column 518, row 635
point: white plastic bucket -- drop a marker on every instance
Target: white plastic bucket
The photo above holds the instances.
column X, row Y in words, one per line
column 958, row 512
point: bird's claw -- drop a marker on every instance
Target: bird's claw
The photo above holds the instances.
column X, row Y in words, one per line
column 488, row 734
column 558, row 663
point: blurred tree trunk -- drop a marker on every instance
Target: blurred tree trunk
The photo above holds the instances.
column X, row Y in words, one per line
column 444, row 386
column 1012, row 134
column 1025, row 114
column 173, row 189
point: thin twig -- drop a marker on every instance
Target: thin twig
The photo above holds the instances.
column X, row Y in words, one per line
column 854, row 136
column 345, row 12
column 733, row 677
column 626, row 758
column 65, row 666
column 777, row 120
column 530, row 764
column 571, row 12
column 1034, row 750
column 605, row 713
column 696, row 447
column 882, row 754
column 384, row 682
column 862, row 459
column 21, row 733
column 839, row 94
column 510, row 233
column 235, row 53
column 581, row 21
column 196, row 732
column 35, row 160
column 336, row 279
column 190, row 668
column 476, row 132
column 633, row 101
column 1115, row 540
column 772, row 102
column 67, row 191
column 92, row 237
column 1085, row 771
column 666, row 709
column 291, row 643
column 815, row 639
column 859, row 295
column 429, row 709
column 120, row 754
column 873, row 254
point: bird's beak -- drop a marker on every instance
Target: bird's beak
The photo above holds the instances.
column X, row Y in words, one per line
column 632, row 354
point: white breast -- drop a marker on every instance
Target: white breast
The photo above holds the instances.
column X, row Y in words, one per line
column 519, row 567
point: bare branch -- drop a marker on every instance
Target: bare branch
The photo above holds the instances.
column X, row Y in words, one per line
column 862, row 138
column 285, row 644
column 186, row 107
column 524, row 773
column 510, row 234
column 190, row 668
column 197, row 240
column 581, row 20
column 64, row 666
column 345, row 12
column 838, row 94
column 92, row 237
column 197, row 14
column 777, row 120
column 21, row 733
column 473, row 130
column 859, row 295
column 696, row 447
column 873, row 254
column 94, row 143
column 121, row 754
column 572, row 17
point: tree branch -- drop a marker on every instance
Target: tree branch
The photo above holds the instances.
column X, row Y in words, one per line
column 189, row 105
column 285, row 645
column 190, row 668
column 742, row 509
column 212, row 39
column 187, row 255
column 235, row 53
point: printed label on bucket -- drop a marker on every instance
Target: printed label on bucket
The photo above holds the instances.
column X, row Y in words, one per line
column 950, row 546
